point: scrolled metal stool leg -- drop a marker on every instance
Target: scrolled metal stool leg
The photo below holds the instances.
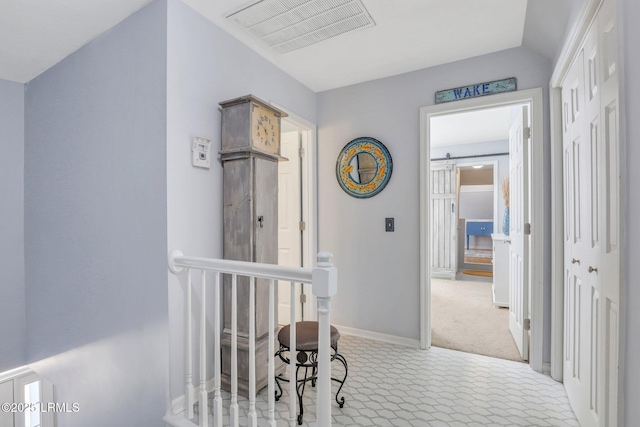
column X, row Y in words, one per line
column 342, row 360
column 278, row 395
column 278, row 377
column 300, row 390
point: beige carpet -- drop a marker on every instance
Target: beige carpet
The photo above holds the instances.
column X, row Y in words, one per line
column 463, row 318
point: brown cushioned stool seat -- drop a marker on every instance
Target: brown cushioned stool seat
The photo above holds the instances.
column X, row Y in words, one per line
column 306, row 336
column 307, row 359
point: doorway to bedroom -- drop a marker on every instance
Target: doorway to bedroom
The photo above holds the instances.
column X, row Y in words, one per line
column 297, row 220
column 527, row 223
column 469, row 170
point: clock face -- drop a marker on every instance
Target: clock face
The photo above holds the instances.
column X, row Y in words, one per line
column 265, row 129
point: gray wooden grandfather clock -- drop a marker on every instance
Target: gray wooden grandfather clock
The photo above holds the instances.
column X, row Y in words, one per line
column 250, row 152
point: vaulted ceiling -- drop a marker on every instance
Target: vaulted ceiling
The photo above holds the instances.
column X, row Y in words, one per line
column 406, row 35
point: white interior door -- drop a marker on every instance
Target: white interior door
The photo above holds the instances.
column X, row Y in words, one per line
column 289, row 217
column 609, row 202
column 444, row 223
column 581, row 238
column 519, row 139
column 573, row 172
column 590, row 147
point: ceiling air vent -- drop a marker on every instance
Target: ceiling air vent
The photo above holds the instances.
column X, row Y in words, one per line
column 287, row 25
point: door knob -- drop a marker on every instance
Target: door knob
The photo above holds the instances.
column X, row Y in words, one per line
column 591, row 269
column 575, row 261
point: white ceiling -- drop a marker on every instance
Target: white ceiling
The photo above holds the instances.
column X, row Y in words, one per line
column 408, row 35
column 470, row 127
column 37, row 34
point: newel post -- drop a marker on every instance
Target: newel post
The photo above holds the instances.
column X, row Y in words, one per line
column 325, row 287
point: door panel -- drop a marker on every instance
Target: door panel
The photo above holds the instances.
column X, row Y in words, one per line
column 444, row 221
column 591, row 184
column 609, row 262
column 289, row 217
column 519, row 247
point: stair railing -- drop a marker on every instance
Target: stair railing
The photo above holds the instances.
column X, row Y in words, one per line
column 323, row 279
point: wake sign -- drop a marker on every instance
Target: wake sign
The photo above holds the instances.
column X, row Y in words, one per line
column 482, row 89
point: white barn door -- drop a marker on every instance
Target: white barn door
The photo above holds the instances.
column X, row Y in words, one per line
column 444, row 219
column 519, row 140
column 289, row 217
column 590, row 147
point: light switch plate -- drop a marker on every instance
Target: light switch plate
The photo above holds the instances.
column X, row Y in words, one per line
column 389, row 224
column 200, row 151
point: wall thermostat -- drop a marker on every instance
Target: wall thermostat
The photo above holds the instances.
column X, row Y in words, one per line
column 200, row 152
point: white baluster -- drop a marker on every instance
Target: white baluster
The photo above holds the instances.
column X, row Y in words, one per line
column 188, row 356
column 217, row 396
column 204, row 404
column 252, row 416
column 293, row 357
column 325, row 286
column 233, row 409
column 271, row 389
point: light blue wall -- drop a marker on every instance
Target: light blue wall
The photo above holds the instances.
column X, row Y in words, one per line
column 12, row 320
column 480, row 148
column 95, row 225
column 476, row 205
column 207, row 66
column 628, row 12
column 379, row 271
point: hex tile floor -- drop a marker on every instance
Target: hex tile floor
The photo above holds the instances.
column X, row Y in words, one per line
column 390, row 385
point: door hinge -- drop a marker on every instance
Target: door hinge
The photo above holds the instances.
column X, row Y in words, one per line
column 527, row 228
column 526, row 325
column 301, row 152
column 303, row 298
column 527, row 133
column 303, row 225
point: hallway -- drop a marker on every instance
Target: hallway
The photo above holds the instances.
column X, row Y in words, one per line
column 400, row 386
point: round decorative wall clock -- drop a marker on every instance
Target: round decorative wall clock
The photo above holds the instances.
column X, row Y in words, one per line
column 364, row 167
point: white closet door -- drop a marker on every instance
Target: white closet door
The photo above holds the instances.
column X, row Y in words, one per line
column 519, row 140
column 590, row 146
column 609, row 202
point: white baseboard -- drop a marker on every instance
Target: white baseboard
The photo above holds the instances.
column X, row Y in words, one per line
column 546, row 368
column 378, row 336
column 176, row 420
column 177, row 405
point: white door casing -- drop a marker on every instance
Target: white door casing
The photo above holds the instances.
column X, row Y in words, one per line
column 289, row 217
column 519, row 140
column 309, row 197
column 534, row 98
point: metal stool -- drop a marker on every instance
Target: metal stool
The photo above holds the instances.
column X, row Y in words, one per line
column 307, row 347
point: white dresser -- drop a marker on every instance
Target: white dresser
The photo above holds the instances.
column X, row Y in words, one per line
column 501, row 270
